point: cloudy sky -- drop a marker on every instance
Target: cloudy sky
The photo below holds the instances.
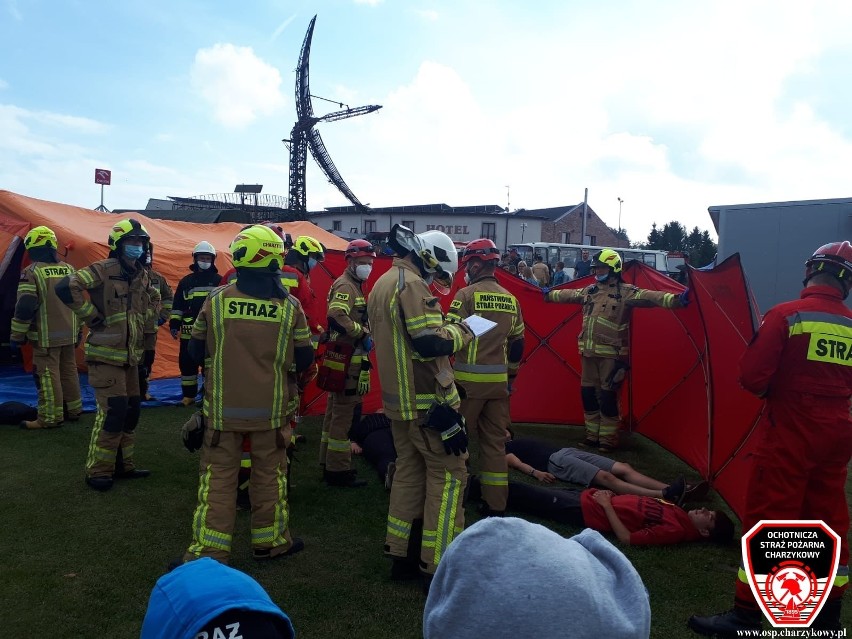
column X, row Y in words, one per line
column 671, row 106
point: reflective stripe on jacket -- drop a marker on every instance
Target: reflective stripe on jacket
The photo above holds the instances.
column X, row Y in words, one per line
column 483, row 367
column 122, row 299
column 249, row 344
column 347, row 309
column 606, row 313
column 803, row 346
column 401, row 308
column 40, row 315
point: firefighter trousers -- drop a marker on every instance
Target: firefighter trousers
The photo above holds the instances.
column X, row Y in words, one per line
column 600, row 400
column 213, row 522
column 488, row 419
column 429, row 484
column 55, row 373
column 335, row 453
column 188, row 371
column 799, row 472
column 117, row 394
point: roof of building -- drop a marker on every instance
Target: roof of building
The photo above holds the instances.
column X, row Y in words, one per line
column 554, row 213
column 717, row 209
column 420, row 209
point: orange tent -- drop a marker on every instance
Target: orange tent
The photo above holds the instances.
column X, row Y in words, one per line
column 83, row 233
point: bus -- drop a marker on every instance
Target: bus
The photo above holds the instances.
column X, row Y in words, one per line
column 552, row 253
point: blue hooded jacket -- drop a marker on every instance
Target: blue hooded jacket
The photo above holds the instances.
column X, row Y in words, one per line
column 192, row 595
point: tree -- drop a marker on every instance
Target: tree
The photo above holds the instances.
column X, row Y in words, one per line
column 621, row 234
column 697, row 245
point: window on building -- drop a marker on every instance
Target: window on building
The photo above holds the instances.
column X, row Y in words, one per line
column 593, row 240
column 409, row 224
column 566, row 237
column 353, row 230
column 489, row 231
column 336, row 225
column 369, row 226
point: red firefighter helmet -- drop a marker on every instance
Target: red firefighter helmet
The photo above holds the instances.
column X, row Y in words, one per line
column 360, row 248
column 481, row 249
column 834, row 259
column 279, row 231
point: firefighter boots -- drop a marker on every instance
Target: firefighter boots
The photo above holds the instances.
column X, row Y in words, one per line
column 264, row 554
column 135, row 473
column 728, row 624
column 37, row 424
column 343, row 479
column 99, row 483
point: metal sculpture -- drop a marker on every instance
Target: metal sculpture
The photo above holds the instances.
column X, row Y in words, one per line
column 304, row 136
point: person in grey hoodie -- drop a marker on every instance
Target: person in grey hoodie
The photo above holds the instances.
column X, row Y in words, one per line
column 583, row 587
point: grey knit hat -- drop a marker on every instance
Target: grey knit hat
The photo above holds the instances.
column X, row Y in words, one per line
column 506, row 577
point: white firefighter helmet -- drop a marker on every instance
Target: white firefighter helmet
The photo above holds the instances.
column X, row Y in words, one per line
column 204, row 247
column 438, row 252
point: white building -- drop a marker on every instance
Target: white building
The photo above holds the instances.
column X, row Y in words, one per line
column 461, row 223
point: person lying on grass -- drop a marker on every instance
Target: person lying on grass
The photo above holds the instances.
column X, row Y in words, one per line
column 547, row 463
column 634, row 519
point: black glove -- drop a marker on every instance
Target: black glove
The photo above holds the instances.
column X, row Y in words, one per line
column 97, row 321
column 450, row 424
column 193, row 432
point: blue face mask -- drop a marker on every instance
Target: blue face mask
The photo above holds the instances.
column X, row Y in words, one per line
column 133, row 252
column 601, row 278
column 311, row 263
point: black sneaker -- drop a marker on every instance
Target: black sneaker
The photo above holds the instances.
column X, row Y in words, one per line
column 263, row 554
column 728, row 624
column 696, row 492
column 675, row 491
column 101, row 484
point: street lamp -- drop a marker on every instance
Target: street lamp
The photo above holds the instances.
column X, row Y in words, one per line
column 620, row 202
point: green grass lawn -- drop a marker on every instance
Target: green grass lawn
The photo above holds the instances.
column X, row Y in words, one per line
column 76, row 563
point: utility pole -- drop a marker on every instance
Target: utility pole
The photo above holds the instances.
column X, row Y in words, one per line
column 585, row 214
column 620, row 202
column 508, row 207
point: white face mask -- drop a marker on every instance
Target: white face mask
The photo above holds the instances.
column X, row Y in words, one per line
column 204, row 265
column 362, row 271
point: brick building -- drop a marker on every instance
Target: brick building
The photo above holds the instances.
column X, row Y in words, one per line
column 564, row 224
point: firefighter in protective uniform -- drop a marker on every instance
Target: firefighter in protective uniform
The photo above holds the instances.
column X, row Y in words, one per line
column 345, row 371
column 191, row 292
column 486, row 368
column 51, row 327
column 603, row 342
column 413, row 343
column 120, row 296
column 251, row 332
column 800, row 361
column 156, row 318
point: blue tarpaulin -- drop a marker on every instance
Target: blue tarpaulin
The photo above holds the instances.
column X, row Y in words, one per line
column 18, row 386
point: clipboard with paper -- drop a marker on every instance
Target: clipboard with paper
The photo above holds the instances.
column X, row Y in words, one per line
column 479, row 325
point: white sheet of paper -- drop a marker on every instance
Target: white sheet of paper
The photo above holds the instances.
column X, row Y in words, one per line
column 479, row 325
